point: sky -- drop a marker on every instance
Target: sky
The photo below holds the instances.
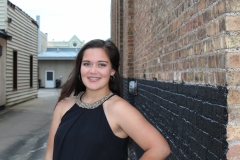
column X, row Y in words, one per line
column 61, row 20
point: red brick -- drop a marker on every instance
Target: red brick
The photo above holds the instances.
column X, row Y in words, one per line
column 233, row 23
column 219, row 43
column 211, row 76
column 220, row 78
column 170, row 76
column 212, row 61
column 175, row 24
column 192, row 37
column 200, row 20
column 191, row 51
column 180, row 43
column 197, row 48
column 185, row 40
column 233, row 96
column 180, row 65
column 184, row 76
column 187, row 15
column 190, row 76
column 201, row 33
column 195, row 22
column 189, row 26
column 221, row 60
column 191, row 63
column 222, row 25
column 233, row 78
column 175, row 55
column 213, row 28
column 233, row 116
column 206, row 78
column 209, row 45
column 180, row 9
column 233, row 152
column 199, row 77
column 219, row 9
column 201, row 5
column 182, row 30
column 202, row 62
column 194, row 9
column 186, row 64
column 207, row 16
column 233, row 60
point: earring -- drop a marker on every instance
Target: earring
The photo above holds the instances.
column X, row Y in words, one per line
column 112, row 78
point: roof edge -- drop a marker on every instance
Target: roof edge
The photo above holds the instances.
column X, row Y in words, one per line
column 14, row 6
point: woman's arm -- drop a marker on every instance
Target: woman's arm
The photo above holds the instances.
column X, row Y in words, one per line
column 54, row 125
column 141, row 131
column 61, row 108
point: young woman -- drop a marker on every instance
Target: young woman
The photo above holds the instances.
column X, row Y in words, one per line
column 96, row 122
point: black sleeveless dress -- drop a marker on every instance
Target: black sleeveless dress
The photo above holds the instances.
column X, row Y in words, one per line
column 85, row 134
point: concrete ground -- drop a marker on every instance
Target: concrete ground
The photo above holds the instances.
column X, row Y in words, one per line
column 24, row 128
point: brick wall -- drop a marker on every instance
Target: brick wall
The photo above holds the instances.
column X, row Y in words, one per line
column 192, row 41
column 117, row 28
column 192, row 118
column 114, row 23
column 128, row 19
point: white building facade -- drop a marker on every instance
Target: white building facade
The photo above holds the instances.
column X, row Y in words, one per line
column 21, row 65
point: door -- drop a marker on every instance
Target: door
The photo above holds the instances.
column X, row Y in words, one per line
column 49, row 79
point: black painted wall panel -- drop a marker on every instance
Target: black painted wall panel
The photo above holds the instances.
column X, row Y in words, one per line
column 192, row 118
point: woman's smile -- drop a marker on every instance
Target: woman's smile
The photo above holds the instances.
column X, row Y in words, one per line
column 96, row 69
column 94, row 79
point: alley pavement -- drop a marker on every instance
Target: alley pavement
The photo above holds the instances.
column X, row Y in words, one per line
column 24, row 127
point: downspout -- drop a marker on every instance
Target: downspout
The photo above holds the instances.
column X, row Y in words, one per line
column 39, row 36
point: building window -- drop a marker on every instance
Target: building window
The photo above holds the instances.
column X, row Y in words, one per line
column 74, row 44
column 15, row 70
column 31, row 71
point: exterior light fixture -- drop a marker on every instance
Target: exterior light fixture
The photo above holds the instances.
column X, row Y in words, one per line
column 133, row 87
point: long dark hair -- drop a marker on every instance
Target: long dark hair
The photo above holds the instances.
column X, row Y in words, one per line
column 75, row 85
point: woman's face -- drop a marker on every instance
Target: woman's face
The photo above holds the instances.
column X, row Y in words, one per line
column 96, row 69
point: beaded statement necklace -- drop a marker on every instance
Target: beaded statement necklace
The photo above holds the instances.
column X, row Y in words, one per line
column 82, row 104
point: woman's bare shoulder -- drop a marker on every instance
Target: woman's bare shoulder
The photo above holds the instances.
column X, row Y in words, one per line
column 118, row 104
column 65, row 104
